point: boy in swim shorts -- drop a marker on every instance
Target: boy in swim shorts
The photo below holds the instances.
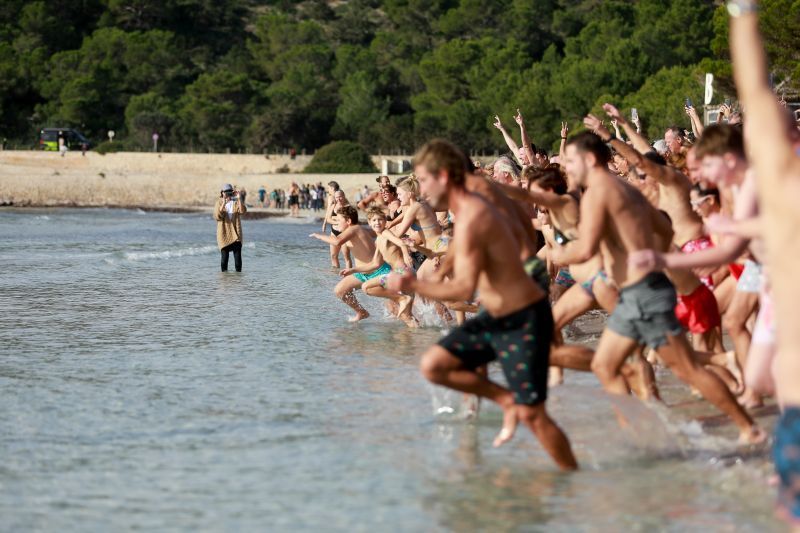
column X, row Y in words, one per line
column 391, row 255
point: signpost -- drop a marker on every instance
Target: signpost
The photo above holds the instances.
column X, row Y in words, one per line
column 155, row 142
column 111, row 135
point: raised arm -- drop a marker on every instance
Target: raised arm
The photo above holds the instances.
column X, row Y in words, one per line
column 512, row 145
column 639, row 142
column 546, row 199
column 526, row 142
column 662, row 173
column 219, row 210
column 697, row 124
column 765, row 126
column 562, row 150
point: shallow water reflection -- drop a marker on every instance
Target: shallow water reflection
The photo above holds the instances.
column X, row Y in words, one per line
column 142, row 388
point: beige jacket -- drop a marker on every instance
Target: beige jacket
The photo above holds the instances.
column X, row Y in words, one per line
column 228, row 230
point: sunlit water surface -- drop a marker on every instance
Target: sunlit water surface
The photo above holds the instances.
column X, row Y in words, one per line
column 142, row 388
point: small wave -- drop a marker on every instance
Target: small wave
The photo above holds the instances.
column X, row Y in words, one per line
column 42, row 217
column 168, row 254
column 140, row 211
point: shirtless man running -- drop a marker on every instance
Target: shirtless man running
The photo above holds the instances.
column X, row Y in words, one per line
column 517, row 325
column 617, row 220
column 777, row 165
column 361, row 243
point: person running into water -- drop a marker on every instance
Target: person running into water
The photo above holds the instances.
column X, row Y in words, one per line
column 616, row 215
column 392, row 251
column 775, row 157
column 361, row 242
column 515, row 327
column 228, row 213
column 337, row 200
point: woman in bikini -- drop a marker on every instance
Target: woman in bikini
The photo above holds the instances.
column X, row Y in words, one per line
column 338, row 200
column 420, row 217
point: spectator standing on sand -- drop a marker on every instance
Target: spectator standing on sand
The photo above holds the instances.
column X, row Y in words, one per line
column 262, row 196
column 62, row 143
column 228, row 214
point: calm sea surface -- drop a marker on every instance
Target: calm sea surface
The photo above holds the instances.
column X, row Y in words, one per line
column 142, row 388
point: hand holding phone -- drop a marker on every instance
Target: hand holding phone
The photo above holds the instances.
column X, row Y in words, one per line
column 688, row 102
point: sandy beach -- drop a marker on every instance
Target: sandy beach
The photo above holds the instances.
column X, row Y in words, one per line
column 149, row 180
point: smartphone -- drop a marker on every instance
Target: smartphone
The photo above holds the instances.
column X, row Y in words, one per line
column 688, row 102
column 634, row 114
column 728, row 102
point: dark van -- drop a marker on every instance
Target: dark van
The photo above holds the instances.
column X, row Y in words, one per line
column 48, row 139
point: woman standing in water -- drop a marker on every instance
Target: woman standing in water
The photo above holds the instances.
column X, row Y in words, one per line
column 337, row 201
column 228, row 214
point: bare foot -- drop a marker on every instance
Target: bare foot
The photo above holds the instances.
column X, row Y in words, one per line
column 733, row 367
column 509, row 426
column 409, row 320
column 361, row 315
column 555, row 376
column 750, row 400
column 753, row 435
column 473, row 405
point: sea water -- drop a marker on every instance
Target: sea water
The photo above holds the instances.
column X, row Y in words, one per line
column 141, row 388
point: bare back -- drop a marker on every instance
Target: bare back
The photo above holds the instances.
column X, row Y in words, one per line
column 484, row 240
column 630, row 225
column 515, row 215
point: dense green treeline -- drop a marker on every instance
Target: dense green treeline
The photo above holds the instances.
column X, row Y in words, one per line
column 255, row 75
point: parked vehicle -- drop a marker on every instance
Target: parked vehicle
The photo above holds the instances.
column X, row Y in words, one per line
column 48, row 139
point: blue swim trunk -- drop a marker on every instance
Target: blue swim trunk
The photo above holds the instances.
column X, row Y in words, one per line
column 786, row 454
column 384, row 270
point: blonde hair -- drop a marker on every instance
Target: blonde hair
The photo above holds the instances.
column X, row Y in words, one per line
column 375, row 212
column 410, row 184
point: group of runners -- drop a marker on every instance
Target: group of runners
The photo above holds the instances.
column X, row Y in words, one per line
column 700, row 239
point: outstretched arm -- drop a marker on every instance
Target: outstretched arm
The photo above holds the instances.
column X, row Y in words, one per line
column 546, row 199
column 339, row 240
column 468, row 263
column 512, row 145
column 661, row 173
column 765, row 128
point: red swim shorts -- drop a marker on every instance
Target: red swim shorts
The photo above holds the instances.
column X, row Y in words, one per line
column 736, row 270
column 698, row 312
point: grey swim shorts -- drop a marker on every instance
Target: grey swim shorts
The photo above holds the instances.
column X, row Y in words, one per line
column 645, row 311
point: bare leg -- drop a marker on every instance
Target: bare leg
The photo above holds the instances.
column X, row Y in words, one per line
column 345, row 290
column 741, row 307
column 677, row 355
column 758, row 374
column 335, row 257
column 725, row 360
column 612, row 350
column 404, row 302
column 724, row 293
column 441, row 367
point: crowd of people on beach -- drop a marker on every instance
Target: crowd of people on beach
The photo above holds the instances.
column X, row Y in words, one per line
column 296, row 197
column 679, row 240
